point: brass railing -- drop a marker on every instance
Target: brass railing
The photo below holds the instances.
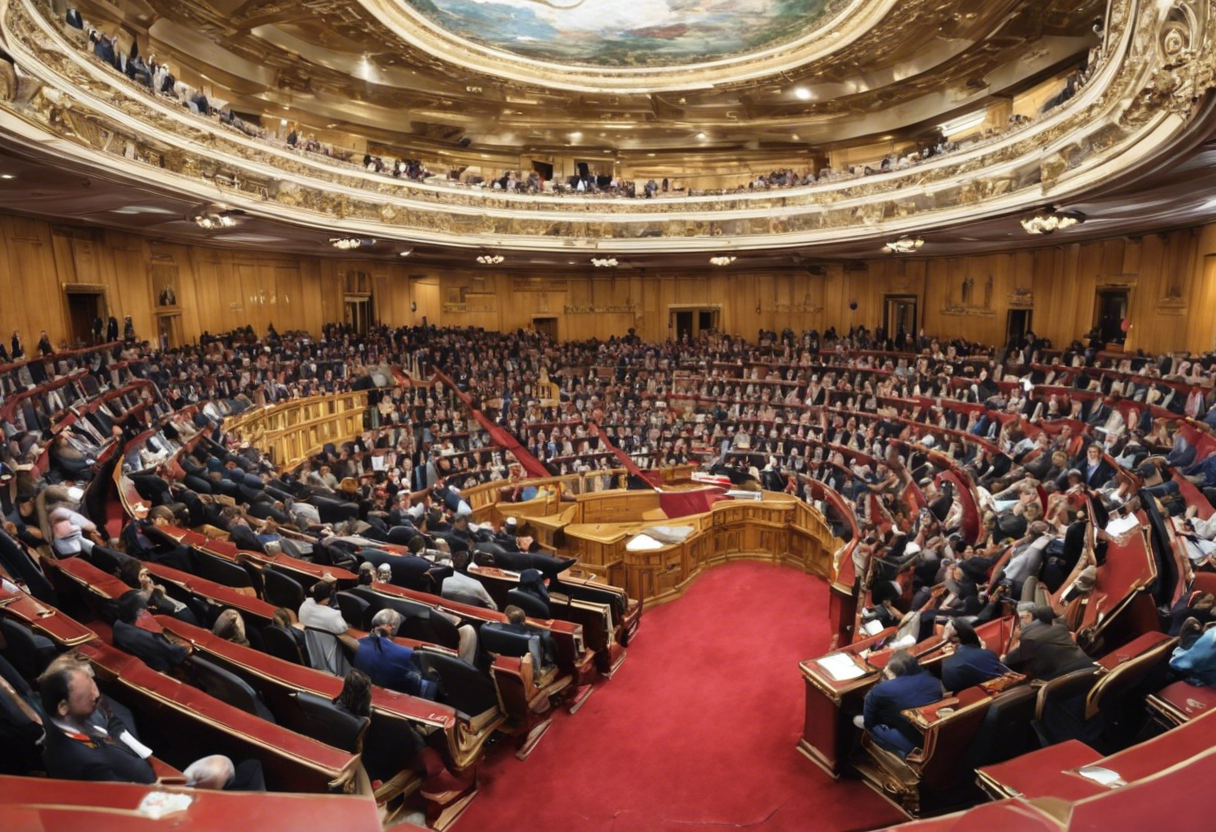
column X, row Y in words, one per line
column 291, row 432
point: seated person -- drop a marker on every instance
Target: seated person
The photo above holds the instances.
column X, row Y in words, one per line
column 905, row 684
column 355, row 698
column 532, row 582
column 135, row 574
column 140, row 544
column 460, row 587
column 317, row 613
column 1195, row 657
column 971, row 663
column 231, row 627
column 137, row 632
column 390, row 665
column 79, row 747
column 517, row 622
column 1045, row 647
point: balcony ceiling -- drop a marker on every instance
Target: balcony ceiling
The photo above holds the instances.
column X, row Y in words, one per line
column 723, row 77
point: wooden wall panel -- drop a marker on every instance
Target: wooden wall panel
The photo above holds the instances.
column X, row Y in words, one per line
column 1171, row 278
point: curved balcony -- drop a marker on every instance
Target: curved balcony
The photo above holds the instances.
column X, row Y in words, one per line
column 1147, row 99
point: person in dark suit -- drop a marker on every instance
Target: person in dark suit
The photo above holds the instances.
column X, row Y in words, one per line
column 971, row 663
column 136, row 632
column 517, row 623
column 1095, row 470
column 390, row 665
column 88, row 742
column 905, row 685
column 1045, row 647
column 73, row 19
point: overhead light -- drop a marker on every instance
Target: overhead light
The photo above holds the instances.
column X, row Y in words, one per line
column 702, row 136
column 1050, row 221
column 802, row 93
column 7, row 176
column 348, row 243
column 575, row 136
column 722, row 260
column 904, row 245
column 406, row 253
column 282, row 122
column 604, row 262
column 490, row 259
column 210, row 216
column 794, row 136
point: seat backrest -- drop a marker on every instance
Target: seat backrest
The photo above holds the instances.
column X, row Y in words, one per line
column 22, row 649
column 281, row 590
column 325, row 722
column 282, row 645
column 227, row 687
column 404, row 606
column 354, row 609
column 495, row 638
column 221, row 571
column 465, row 688
column 1126, row 676
column 325, row 652
column 1065, row 687
column 390, row 748
column 1003, row 735
column 532, row 606
column 438, row 629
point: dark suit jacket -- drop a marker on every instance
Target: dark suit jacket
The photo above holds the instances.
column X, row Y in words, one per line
column 885, row 701
column 388, row 664
column 1048, row 651
column 969, row 666
column 1100, row 476
column 93, row 757
column 156, row 651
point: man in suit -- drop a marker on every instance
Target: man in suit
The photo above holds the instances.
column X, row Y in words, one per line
column 1096, row 471
column 905, row 684
column 971, row 663
column 137, row 632
column 85, row 742
column 1045, row 647
column 388, row 664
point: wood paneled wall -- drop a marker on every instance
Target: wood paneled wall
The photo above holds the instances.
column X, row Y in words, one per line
column 1171, row 279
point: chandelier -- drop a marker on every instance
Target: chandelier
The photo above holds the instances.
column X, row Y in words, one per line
column 348, row 243
column 904, row 245
column 604, row 262
column 213, row 216
column 490, row 259
column 722, row 260
column 1049, row 221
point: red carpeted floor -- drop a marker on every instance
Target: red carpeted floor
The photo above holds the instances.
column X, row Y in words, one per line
column 697, row 729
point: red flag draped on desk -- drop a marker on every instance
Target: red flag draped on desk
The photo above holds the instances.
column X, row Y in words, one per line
column 500, row 435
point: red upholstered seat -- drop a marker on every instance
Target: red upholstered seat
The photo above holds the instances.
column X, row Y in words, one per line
column 1042, row 773
column 1181, row 701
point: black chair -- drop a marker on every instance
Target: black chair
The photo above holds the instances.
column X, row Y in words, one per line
column 437, row 628
column 227, row 687
column 325, row 722
column 1003, row 734
column 20, row 735
column 401, row 535
column 495, row 638
column 221, row 571
column 281, row 590
column 255, row 576
column 532, row 606
column 404, row 606
column 465, row 688
column 1059, row 712
column 391, row 748
column 281, row 644
column 335, row 511
column 28, row 653
column 356, row 610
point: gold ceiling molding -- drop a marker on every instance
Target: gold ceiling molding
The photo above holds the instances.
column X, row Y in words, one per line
column 1149, row 91
column 846, row 21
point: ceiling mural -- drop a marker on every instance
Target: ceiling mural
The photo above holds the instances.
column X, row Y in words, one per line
column 626, row 33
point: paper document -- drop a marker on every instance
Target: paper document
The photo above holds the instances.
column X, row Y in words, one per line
column 841, row 667
column 1101, row 776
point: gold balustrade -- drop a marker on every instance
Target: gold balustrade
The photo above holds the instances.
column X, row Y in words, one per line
column 291, row 432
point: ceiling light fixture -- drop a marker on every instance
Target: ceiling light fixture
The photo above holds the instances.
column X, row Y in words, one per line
column 490, row 259
column 6, row 176
column 1049, row 221
column 405, row 253
column 958, row 125
column 349, row 243
column 802, row 93
column 904, row 245
column 210, row 216
column 604, row 262
column 722, row 260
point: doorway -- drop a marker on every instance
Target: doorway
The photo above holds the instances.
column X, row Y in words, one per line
column 899, row 312
column 1110, row 308
column 85, row 304
column 169, row 331
column 359, row 313
column 1017, row 324
column 546, row 326
column 692, row 322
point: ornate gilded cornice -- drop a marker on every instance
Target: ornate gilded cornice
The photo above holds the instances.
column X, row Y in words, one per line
column 1147, row 92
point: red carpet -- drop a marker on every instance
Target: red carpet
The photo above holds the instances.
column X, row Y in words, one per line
column 697, row 728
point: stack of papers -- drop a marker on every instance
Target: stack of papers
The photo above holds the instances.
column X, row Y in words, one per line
column 841, row 667
column 1102, row 776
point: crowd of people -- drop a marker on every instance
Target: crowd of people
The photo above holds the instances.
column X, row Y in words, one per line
column 156, row 77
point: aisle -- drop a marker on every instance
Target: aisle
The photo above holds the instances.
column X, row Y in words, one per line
column 697, row 729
